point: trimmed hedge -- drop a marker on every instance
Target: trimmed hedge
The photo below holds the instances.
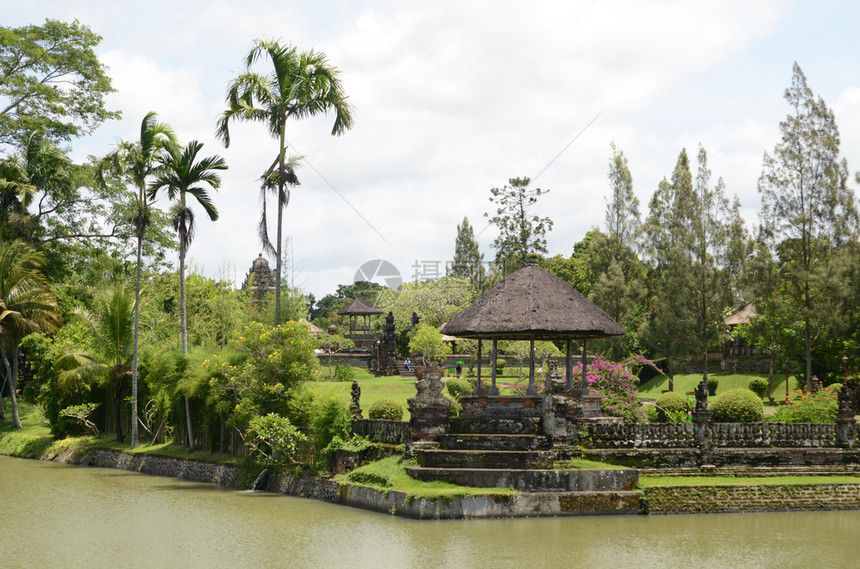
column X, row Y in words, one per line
column 669, row 402
column 458, row 387
column 737, row 406
column 388, row 409
column 758, row 386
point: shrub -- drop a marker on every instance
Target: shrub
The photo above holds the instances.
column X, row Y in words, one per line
column 274, row 438
column 500, row 366
column 758, row 386
column 458, row 387
column 805, row 407
column 737, row 406
column 388, row 409
column 670, row 407
column 713, row 383
column 617, row 385
column 343, row 372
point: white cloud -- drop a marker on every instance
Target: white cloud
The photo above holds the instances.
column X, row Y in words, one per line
column 453, row 98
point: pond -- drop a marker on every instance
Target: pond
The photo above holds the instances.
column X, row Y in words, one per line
column 66, row 516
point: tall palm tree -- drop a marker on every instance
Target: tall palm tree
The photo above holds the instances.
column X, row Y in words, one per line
column 302, row 84
column 28, row 303
column 111, row 326
column 138, row 161
column 182, row 174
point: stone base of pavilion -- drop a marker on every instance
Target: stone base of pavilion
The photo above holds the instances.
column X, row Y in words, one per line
column 513, row 441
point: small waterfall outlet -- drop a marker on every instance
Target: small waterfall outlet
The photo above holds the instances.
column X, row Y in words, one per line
column 261, row 480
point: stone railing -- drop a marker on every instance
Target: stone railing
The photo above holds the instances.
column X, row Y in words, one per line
column 382, row 431
column 787, row 435
column 720, row 435
column 650, row 435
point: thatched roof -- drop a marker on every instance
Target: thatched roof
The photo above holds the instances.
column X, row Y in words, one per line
column 315, row 330
column 359, row 307
column 742, row 316
column 532, row 303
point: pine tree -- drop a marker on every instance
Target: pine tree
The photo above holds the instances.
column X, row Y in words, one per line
column 807, row 210
column 468, row 260
column 520, row 231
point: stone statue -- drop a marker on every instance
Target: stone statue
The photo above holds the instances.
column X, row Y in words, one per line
column 355, row 407
column 844, row 399
column 702, row 396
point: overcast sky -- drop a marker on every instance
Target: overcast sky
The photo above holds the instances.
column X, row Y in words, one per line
column 453, row 98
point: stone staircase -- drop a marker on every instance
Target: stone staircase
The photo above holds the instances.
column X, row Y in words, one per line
column 510, row 451
column 401, row 369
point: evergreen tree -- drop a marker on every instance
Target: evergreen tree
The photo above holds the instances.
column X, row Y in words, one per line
column 807, row 210
column 468, row 260
column 520, row 231
column 622, row 206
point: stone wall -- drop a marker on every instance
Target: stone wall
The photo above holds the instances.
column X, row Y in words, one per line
column 186, row 469
column 382, row 431
column 714, row 499
column 724, row 457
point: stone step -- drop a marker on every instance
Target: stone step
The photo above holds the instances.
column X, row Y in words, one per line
column 541, row 480
column 496, row 425
column 484, row 459
column 494, row 442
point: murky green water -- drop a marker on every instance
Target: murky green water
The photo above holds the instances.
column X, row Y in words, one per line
column 66, row 517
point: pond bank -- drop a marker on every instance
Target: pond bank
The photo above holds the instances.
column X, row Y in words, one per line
column 653, row 500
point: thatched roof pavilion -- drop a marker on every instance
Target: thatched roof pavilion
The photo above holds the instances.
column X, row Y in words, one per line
column 533, row 304
column 359, row 312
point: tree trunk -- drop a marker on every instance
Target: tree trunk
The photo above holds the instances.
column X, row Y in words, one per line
column 183, row 325
column 117, row 409
column 12, row 381
column 278, row 248
column 134, row 362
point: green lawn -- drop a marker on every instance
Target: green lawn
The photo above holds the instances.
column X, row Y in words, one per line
column 684, row 383
column 372, row 388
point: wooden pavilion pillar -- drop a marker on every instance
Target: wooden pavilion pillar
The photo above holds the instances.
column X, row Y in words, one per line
column 493, row 389
column 568, row 365
column 584, row 371
column 532, row 390
column 478, row 391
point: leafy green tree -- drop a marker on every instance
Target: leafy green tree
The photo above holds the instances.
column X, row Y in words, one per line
column 111, row 326
column 521, row 232
column 183, row 174
column 434, row 302
column 51, row 82
column 427, row 341
column 28, row 303
column 138, row 162
column 468, row 261
column 805, row 200
column 302, row 84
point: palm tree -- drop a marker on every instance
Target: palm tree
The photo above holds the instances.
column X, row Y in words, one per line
column 183, row 175
column 138, row 161
column 28, row 303
column 111, row 327
column 302, row 84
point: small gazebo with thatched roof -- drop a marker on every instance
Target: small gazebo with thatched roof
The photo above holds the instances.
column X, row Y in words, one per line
column 359, row 312
column 532, row 304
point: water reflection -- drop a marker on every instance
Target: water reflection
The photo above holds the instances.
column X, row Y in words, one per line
column 61, row 516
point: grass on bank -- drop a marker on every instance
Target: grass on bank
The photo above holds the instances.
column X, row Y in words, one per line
column 652, row 481
column 390, row 474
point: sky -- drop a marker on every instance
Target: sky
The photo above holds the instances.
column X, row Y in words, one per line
column 453, row 98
